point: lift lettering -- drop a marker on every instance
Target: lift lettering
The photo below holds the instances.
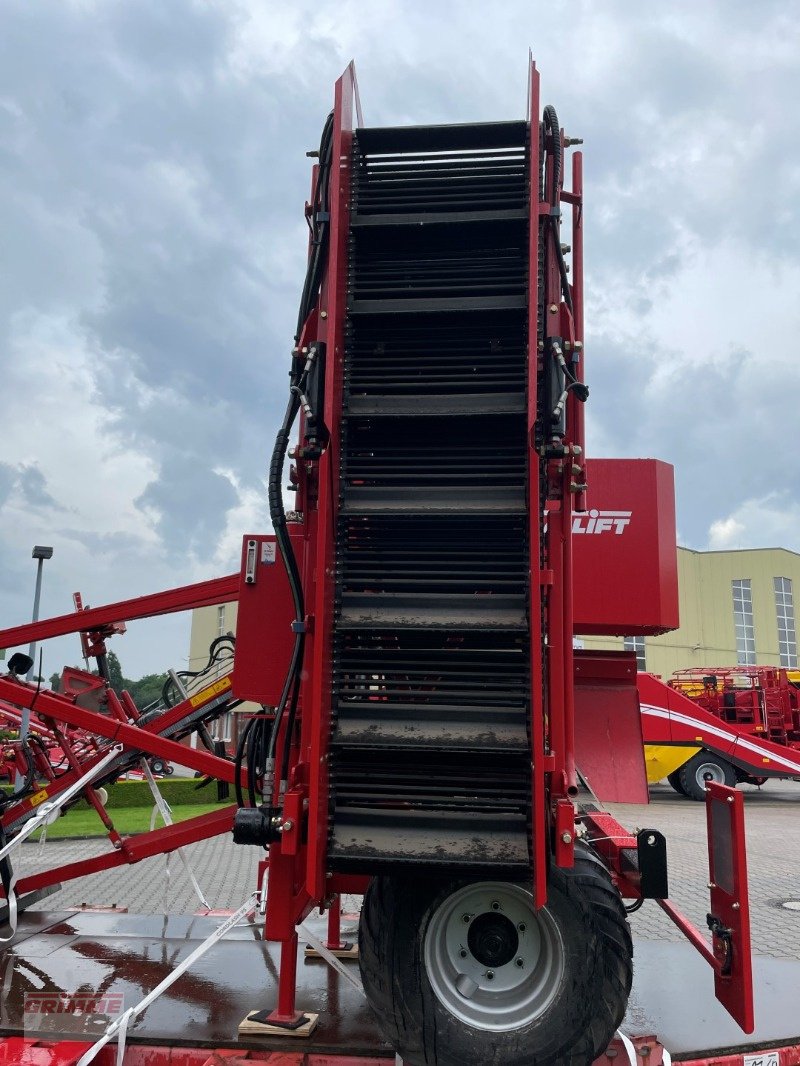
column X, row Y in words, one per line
column 601, row 522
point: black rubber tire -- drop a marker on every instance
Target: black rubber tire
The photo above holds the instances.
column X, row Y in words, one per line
column 691, row 782
column 158, row 766
column 675, row 780
column 577, row 1026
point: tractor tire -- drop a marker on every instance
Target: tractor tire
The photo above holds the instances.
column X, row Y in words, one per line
column 703, row 767
column 675, row 780
column 465, row 973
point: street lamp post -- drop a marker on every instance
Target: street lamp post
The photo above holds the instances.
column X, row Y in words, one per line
column 40, row 553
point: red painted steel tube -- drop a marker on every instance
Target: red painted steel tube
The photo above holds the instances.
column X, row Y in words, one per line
column 538, row 802
column 557, row 679
column 334, row 940
column 185, row 598
column 287, row 980
column 142, row 846
column 333, row 309
column 131, row 736
column 577, row 305
column 691, row 932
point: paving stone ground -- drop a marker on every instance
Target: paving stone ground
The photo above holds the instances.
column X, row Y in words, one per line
column 227, row 873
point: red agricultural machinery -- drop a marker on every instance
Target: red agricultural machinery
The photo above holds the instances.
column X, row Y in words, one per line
column 732, row 725
column 408, row 629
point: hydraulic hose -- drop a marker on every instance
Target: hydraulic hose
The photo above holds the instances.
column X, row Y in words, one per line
column 254, row 745
column 551, row 125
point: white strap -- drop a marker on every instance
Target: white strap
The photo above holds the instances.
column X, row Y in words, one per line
column 58, row 802
column 11, row 902
column 627, row 1044
column 331, row 959
column 120, row 1026
column 40, row 818
column 164, row 809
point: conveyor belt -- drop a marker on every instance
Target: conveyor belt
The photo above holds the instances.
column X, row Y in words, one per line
column 430, row 755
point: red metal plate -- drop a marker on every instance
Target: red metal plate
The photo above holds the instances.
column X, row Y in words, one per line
column 264, row 637
column 609, row 751
column 727, row 865
column 626, row 562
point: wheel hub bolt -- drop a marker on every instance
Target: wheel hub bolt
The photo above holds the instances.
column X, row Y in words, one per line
column 495, row 906
column 463, row 953
column 466, row 918
column 490, row 975
column 522, row 927
column 520, row 963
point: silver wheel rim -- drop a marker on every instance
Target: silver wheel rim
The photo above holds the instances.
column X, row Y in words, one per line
column 506, row 994
column 710, row 771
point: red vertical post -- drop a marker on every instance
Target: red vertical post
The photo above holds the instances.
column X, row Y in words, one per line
column 287, row 979
column 576, row 436
column 332, row 313
column 538, row 809
column 577, row 308
column 334, row 941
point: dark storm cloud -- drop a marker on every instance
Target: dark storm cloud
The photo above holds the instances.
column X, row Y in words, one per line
column 190, row 503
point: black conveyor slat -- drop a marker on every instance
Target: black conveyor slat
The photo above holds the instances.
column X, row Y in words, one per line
column 430, row 754
column 485, row 135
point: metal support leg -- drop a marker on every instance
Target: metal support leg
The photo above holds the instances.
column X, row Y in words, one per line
column 334, row 941
column 285, row 1014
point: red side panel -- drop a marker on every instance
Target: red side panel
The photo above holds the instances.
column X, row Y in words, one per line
column 730, row 906
column 625, row 549
column 608, row 728
column 264, row 639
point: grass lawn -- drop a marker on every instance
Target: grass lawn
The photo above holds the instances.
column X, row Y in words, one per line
column 83, row 821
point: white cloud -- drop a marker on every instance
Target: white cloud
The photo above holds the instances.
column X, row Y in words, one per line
column 770, row 521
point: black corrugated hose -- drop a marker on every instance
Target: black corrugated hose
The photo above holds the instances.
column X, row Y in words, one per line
column 550, row 123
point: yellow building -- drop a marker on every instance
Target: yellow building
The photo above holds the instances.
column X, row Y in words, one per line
column 736, row 607
column 208, row 623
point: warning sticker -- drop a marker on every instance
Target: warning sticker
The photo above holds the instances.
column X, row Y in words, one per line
column 38, row 797
column 268, row 551
column 222, row 685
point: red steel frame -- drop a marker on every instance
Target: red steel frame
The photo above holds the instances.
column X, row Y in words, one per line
column 766, row 704
column 298, row 877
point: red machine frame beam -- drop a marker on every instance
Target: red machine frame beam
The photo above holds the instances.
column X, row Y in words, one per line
column 142, row 846
column 537, row 591
column 51, row 706
column 185, row 598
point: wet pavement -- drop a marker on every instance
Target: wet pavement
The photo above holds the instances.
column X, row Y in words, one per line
column 130, row 953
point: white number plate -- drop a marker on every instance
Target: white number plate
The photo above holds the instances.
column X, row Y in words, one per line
column 766, row 1058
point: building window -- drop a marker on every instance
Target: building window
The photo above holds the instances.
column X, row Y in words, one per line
column 743, row 622
column 637, row 644
column 784, row 609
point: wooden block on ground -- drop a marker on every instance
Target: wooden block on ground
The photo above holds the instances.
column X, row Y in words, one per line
column 349, row 951
column 253, row 1025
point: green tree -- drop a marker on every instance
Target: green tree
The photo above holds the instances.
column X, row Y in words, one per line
column 55, row 682
column 146, row 690
column 118, row 682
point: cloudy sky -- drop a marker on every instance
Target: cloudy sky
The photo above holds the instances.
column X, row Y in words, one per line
column 152, row 180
